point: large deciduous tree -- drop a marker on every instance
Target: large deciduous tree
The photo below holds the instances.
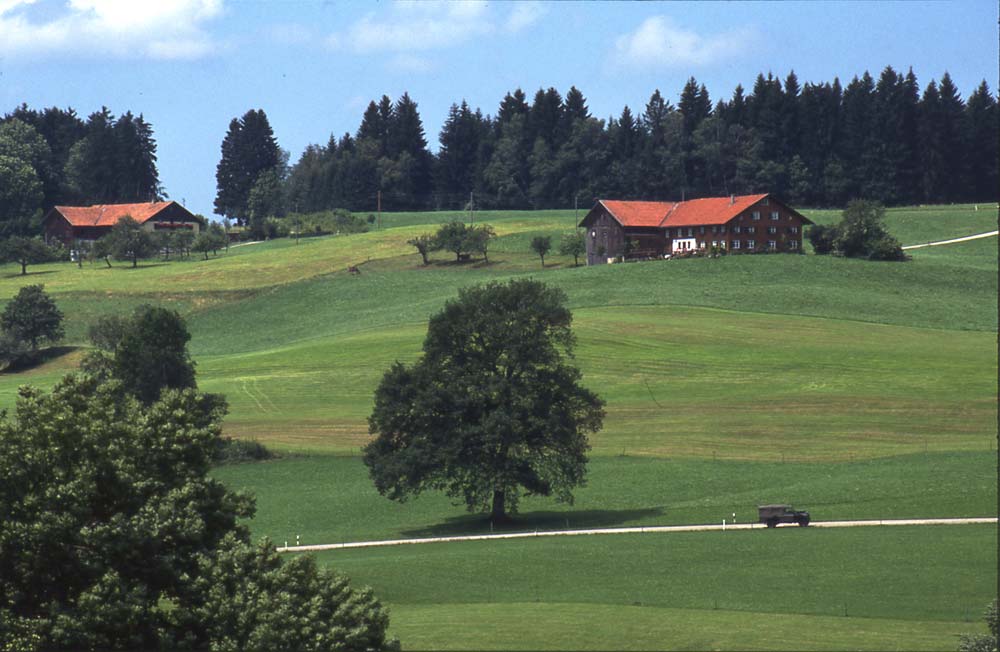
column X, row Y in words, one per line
column 114, row 536
column 493, row 410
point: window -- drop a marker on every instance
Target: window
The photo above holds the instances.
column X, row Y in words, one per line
column 715, row 229
column 794, row 244
column 722, row 229
column 737, row 229
column 772, row 229
column 793, row 229
column 771, row 244
column 667, row 233
column 701, row 229
column 775, row 215
column 766, row 201
column 751, row 243
column 736, row 244
column 715, row 243
column 690, row 232
column 722, row 244
column 756, row 215
column 751, row 229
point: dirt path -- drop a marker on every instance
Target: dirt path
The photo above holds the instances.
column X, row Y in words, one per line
column 630, row 530
column 953, row 241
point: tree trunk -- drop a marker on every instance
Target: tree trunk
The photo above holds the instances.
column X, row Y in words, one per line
column 24, row 268
column 499, row 513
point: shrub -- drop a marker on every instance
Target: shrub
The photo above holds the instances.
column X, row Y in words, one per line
column 238, row 451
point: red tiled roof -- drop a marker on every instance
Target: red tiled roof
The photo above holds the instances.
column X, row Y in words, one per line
column 109, row 214
column 638, row 213
column 711, row 210
column 694, row 212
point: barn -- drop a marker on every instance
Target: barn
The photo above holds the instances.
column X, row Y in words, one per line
column 71, row 223
column 630, row 230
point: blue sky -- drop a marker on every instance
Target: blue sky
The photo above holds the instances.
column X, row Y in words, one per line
column 190, row 66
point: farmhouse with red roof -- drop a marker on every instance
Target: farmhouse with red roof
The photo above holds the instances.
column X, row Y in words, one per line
column 70, row 223
column 747, row 223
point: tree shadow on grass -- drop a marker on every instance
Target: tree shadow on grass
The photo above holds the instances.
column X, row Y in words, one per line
column 536, row 521
column 30, row 273
column 40, row 358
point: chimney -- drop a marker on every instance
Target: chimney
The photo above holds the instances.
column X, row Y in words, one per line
column 732, row 199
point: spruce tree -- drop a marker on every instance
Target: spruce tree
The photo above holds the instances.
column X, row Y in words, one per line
column 981, row 144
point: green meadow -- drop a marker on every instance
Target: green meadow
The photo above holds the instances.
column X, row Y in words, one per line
column 855, row 389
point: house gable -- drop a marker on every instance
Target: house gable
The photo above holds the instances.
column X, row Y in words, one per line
column 68, row 223
column 654, row 229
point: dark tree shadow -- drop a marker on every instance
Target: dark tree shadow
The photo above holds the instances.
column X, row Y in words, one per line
column 536, row 521
column 30, row 273
column 39, row 358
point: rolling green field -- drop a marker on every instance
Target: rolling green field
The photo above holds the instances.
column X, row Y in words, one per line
column 856, row 389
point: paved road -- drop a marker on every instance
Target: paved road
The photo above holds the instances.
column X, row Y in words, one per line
column 631, row 530
column 954, row 240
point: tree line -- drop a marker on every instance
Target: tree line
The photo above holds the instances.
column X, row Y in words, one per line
column 52, row 157
column 816, row 144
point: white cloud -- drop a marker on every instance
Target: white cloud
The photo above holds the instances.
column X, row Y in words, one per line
column 660, row 43
column 415, row 26
column 160, row 29
column 524, row 15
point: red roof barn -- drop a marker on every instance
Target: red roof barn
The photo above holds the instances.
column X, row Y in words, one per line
column 660, row 229
column 69, row 223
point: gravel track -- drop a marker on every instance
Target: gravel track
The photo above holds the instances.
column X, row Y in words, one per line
column 665, row 529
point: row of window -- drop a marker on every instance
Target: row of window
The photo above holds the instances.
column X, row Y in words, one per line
column 679, row 232
column 775, row 215
column 749, row 244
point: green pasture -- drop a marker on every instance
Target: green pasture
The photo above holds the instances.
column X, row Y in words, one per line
column 791, row 588
column 856, row 389
column 678, row 382
column 329, row 499
column 913, row 225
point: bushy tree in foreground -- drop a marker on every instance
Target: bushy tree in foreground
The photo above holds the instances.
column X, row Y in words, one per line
column 492, row 411
column 115, row 537
column 981, row 642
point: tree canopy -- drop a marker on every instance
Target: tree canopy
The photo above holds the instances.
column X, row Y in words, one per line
column 492, row 410
column 860, row 233
column 146, row 352
column 129, row 241
column 114, row 536
column 32, row 316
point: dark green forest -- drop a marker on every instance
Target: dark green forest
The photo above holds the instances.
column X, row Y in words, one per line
column 814, row 144
column 53, row 156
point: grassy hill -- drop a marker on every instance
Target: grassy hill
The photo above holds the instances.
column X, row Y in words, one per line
column 857, row 389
